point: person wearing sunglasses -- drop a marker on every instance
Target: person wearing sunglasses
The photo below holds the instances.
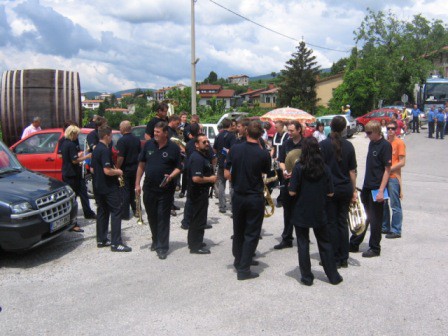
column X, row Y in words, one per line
column 201, row 179
column 378, row 165
column 393, row 228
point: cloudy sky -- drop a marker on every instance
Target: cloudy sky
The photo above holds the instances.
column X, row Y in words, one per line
column 117, row 45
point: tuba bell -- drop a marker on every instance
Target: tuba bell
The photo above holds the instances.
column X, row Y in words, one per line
column 357, row 217
column 269, row 207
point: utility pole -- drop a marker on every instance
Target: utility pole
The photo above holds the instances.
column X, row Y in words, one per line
column 194, row 61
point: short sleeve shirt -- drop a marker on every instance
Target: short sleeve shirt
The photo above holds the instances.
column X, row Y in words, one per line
column 198, row 165
column 379, row 157
column 93, row 139
column 158, row 163
column 398, row 149
column 102, row 158
column 129, row 148
column 69, row 153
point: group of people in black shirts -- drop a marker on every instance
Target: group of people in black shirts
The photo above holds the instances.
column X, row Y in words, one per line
column 315, row 194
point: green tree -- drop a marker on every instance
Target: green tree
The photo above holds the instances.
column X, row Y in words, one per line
column 212, row 78
column 298, row 85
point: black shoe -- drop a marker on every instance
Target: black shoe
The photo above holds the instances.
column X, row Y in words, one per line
column 175, row 207
column 105, row 243
column 222, row 210
column 306, row 282
column 90, row 216
column 354, row 249
column 279, row 204
column 283, row 244
column 208, row 226
column 162, row 255
column 200, row 251
column 337, row 281
column 338, row 265
column 393, row 235
column 173, row 213
column 370, row 254
column 120, row 248
column 203, row 244
column 254, row 263
column 184, row 227
column 385, row 231
column 181, row 195
column 343, row 264
column 153, row 247
column 247, row 276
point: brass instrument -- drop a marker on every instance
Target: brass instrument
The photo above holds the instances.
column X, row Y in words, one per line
column 269, row 203
column 291, row 159
column 357, row 217
column 138, row 209
column 182, row 145
column 121, row 182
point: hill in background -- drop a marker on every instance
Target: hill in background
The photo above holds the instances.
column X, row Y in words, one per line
column 118, row 94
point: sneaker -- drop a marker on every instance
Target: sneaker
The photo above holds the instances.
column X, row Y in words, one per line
column 393, row 235
column 105, row 243
column 120, row 248
column 370, row 254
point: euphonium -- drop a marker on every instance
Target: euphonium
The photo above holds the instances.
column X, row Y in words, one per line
column 138, row 209
column 269, row 203
column 357, row 217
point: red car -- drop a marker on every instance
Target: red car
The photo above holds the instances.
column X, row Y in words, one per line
column 383, row 113
column 39, row 151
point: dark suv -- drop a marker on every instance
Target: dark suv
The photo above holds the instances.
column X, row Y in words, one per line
column 34, row 208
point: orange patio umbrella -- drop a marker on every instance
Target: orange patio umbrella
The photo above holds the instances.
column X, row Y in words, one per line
column 288, row 113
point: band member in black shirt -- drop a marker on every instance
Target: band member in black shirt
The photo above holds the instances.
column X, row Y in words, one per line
column 200, row 172
column 193, row 120
column 339, row 155
column 223, row 142
column 161, row 163
column 245, row 165
column 294, row 142
column 173, row 124
column 162, row 111
column 107, row 194
column 378, row 165
column 71, row 170
column 92, row 137
column 128, row 151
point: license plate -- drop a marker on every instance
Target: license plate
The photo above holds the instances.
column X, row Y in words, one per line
column 61, row 222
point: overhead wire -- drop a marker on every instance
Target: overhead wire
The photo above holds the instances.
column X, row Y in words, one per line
column 274, row 31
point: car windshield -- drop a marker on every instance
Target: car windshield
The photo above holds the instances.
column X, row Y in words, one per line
column 8, row 161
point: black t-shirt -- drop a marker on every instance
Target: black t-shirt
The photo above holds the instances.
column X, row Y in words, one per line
column 187, row 132
column 340, row 171
column 93, row 139
column 247, row 162
column 158, row 162
column 288, row 146
column 172, row 133
column 191, row 147
column 198, row 165
column 129, row 148
column 243, row 139
column 310, row 206
column 225, row 139
column 102, row 158
column 379, row 157
column 152, row 123
column 69, row 153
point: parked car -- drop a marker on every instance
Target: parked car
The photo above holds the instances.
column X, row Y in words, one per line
column 34, row 208
column 211, row 131
column 39, row 151
column 383, row 113
column 347, row 133
column 139, row 132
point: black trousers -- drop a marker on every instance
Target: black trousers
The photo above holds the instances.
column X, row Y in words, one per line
column 325, row 252
column 440, row 131
column 337, row 215
column 184, row 181
column 248, row 214
column 199, row 205
column 288, row 206
column 415, row 124
column 128, row 193
column 78, row 185
column 430, row 129
column 109, row 205
column 374, row 211
column 188, row 212
column 281, row 182
column 158, row 207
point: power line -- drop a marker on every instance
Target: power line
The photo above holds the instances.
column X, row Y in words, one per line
column 272, row 30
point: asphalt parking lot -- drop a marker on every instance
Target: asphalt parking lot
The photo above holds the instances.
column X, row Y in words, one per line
column 70, row 287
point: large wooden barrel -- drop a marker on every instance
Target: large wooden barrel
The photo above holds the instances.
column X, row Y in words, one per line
column 53, row 95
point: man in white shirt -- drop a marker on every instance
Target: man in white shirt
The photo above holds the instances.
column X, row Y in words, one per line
column 34, row 127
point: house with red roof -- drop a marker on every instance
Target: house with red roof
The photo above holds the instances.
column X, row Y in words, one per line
column 242, row 80
column 208, row 91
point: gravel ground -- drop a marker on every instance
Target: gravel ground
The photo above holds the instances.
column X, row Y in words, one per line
column 71, row 287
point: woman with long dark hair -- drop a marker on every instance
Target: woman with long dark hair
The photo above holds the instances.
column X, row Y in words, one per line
column 311, row 184
column 339, row 155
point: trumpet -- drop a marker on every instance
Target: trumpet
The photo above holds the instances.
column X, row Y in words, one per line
column 138, row 209
column 357, row 217
column 269, row 207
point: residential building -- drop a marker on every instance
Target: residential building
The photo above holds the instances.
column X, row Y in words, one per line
column 208, row 91
column 117, row 109
column 161, row 94
column 91, row 104
column 242, row 80
column 326, row 86
column 440, row 61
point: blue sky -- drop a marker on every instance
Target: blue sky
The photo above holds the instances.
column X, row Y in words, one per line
column 116, row 45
